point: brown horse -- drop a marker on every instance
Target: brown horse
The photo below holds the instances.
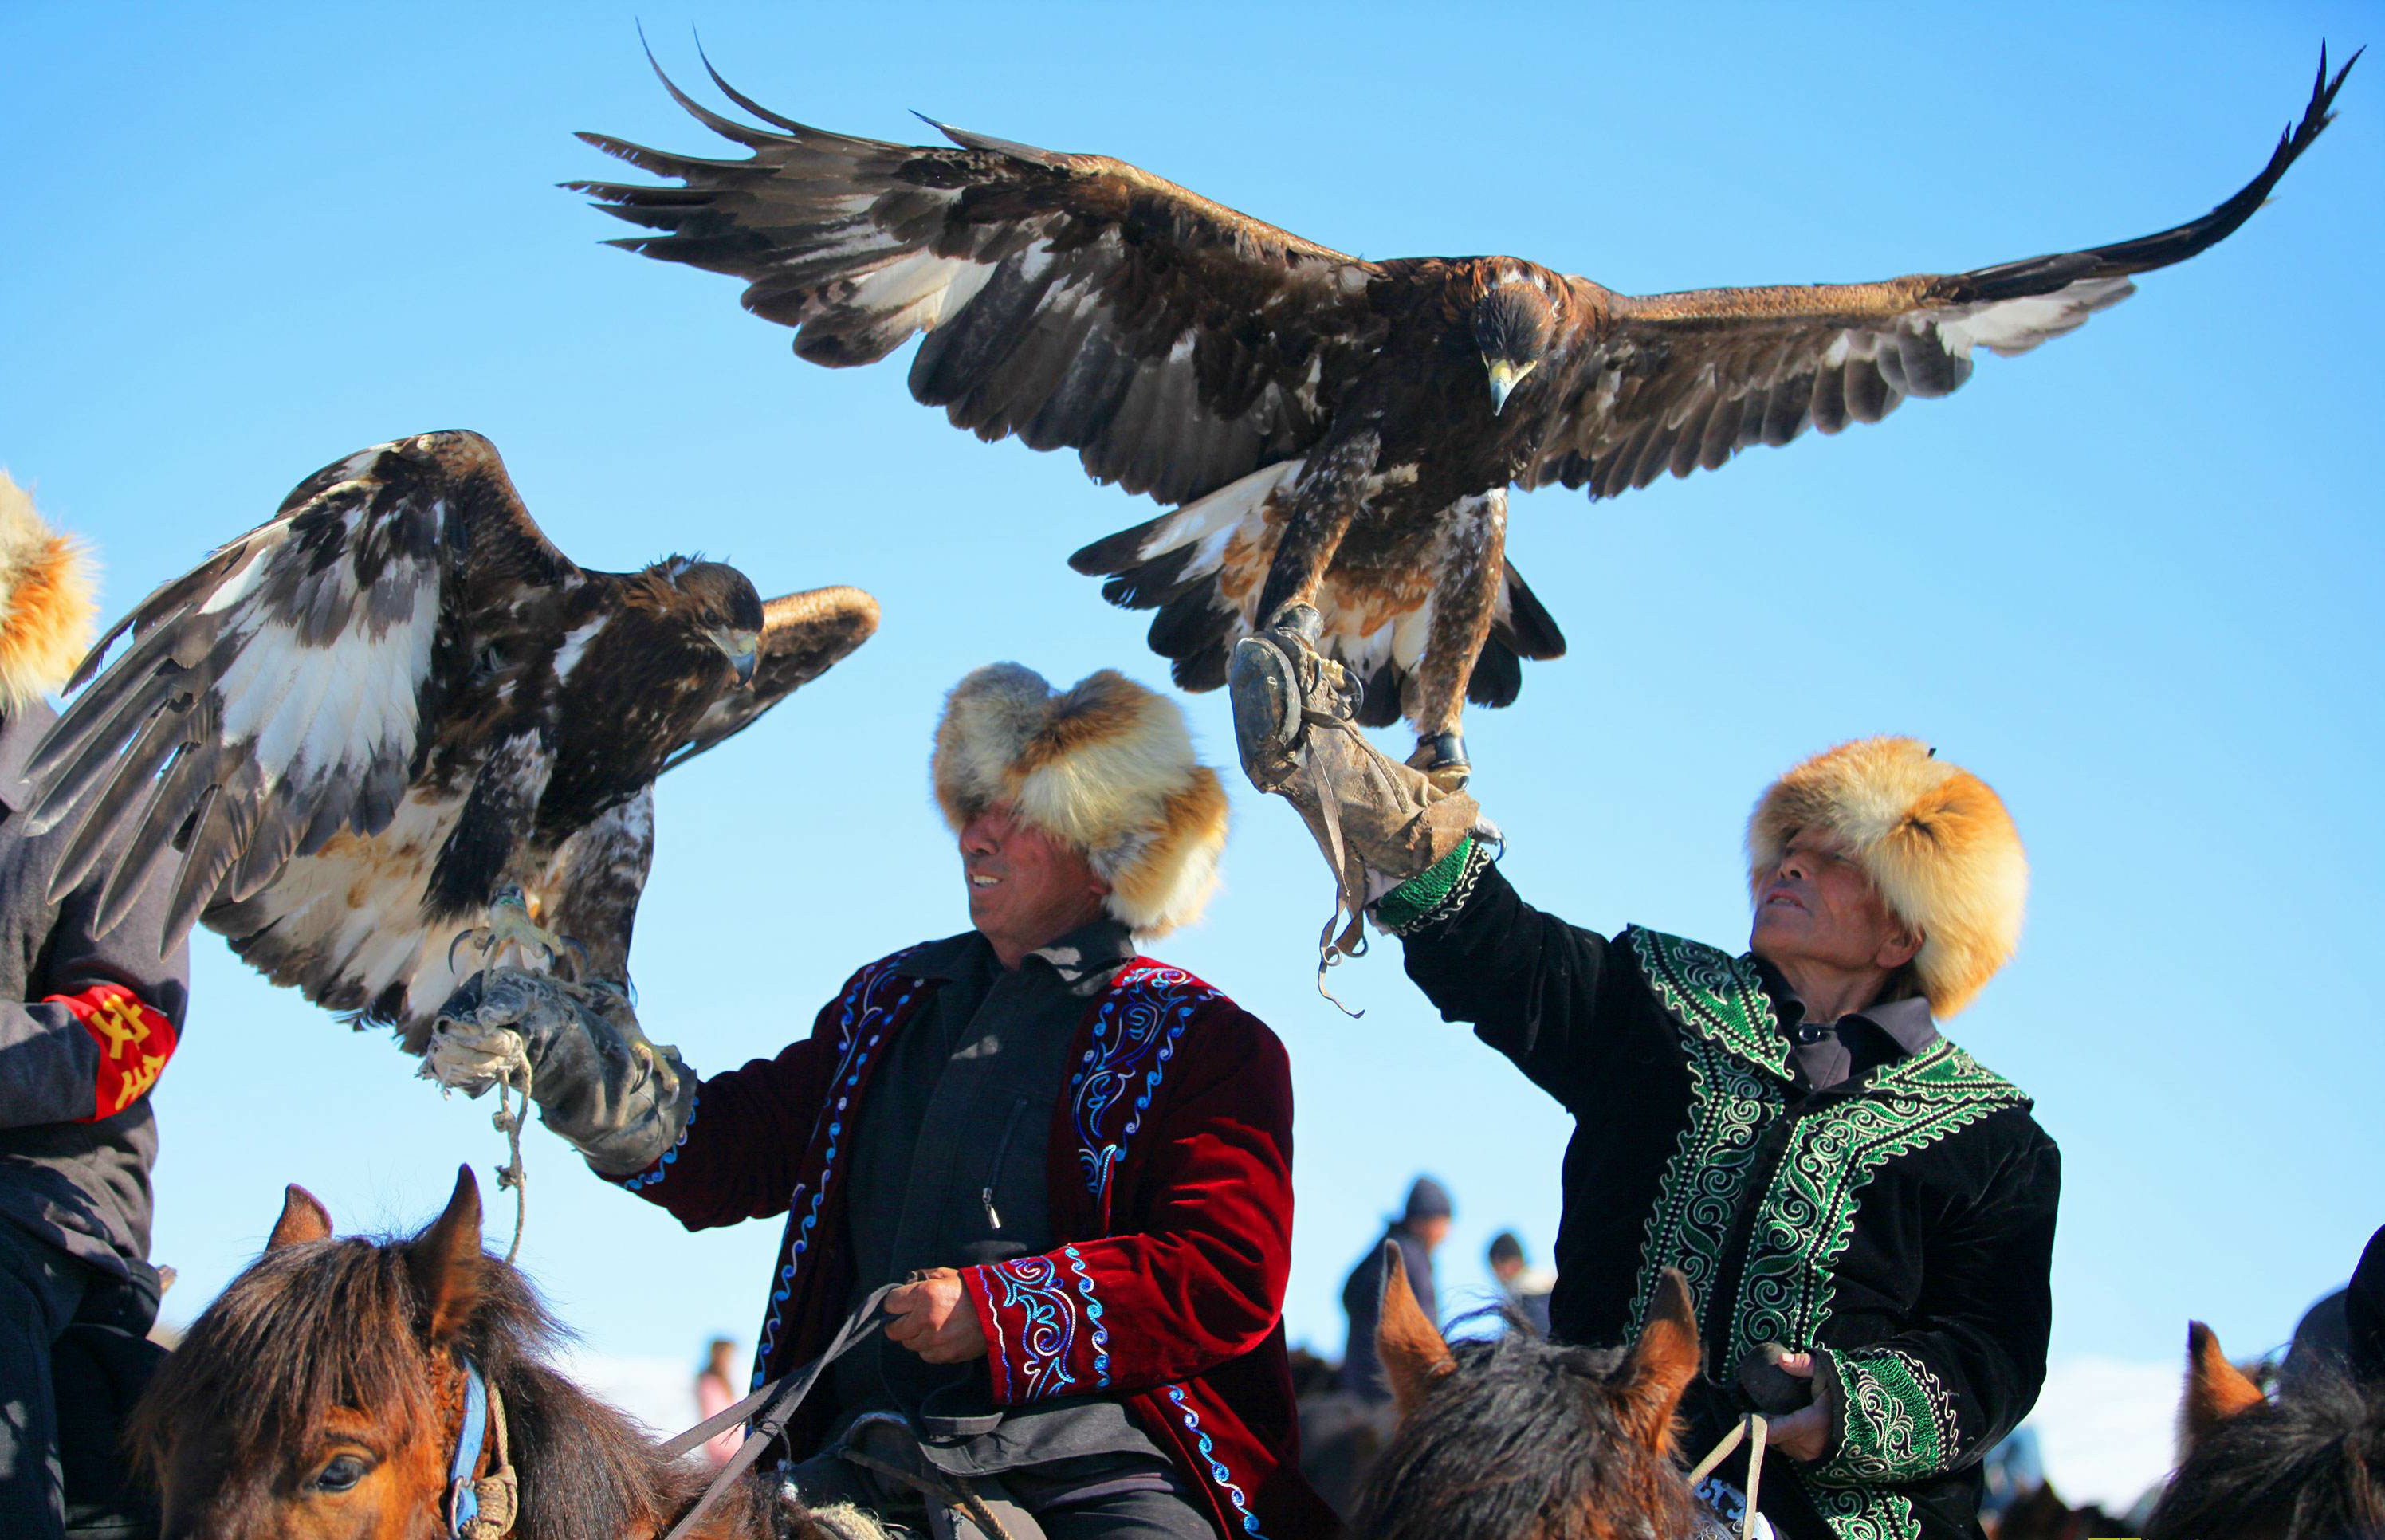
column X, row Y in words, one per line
column 323, row 1394
column 1519, row 1438
column 2309, row 1465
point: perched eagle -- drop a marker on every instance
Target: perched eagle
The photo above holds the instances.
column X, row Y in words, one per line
column 359, row 724
column 1338, row 432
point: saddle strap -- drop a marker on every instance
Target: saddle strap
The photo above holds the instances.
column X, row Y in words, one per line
column 779, row 1401
column 1754, row 1428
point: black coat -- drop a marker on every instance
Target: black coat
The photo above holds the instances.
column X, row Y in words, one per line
column 1899, row 1225
column 71, row 1180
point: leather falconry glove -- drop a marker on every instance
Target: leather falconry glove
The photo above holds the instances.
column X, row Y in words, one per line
column 618, row 1099
column 1379, row 823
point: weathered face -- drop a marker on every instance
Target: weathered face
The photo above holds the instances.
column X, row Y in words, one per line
column 730, row 610
column 1026, row 888
column 1512, row 324
column 1820, row 908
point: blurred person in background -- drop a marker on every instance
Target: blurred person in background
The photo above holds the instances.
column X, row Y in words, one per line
column 1525, row 1288
column 716, row 1392
column 1423, row 1225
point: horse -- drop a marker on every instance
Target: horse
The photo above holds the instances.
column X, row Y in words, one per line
column 324, row 1393
column 1520, row 1438
column 2308, row 1465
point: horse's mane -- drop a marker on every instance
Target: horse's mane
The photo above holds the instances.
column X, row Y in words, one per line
column 2305, row 1465
column 1520, row 1440
column 337, row 1323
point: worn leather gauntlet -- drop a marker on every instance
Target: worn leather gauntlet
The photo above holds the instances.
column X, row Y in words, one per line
column 1379, row 823
column 618, row 1099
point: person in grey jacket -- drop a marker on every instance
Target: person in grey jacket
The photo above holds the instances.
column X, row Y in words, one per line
column 87, row 1024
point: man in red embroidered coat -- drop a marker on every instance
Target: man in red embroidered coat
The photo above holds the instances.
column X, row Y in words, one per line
column 1079, row 1157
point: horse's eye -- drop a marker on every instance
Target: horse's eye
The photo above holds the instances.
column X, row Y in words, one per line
column 340, row 1473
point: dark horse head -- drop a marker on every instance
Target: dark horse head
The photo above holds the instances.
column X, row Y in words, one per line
column 323, row 1395
column 1518, row 1438
column 2309, row 1465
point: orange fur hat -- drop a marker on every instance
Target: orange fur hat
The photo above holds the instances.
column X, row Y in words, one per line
column 48, row 601
column 1935, row 840
column 1108, row 766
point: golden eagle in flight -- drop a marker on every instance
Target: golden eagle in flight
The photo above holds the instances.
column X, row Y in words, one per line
column 360, row 725
column 1336, row 431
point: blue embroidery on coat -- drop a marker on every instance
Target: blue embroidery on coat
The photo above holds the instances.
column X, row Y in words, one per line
column 1047, row 1330
column 1217, row 1468
column 1135, row 1033
column 860, row 1028
column 660, row 1169
column 1092, row 1317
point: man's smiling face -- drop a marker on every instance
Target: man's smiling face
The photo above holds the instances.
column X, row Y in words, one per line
column 1026, row 888
column 1818, row 906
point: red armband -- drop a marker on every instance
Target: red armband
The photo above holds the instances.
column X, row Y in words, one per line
column 134, row 1043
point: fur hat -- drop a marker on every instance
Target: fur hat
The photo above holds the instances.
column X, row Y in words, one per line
column 1106, row 766
column 48, row 601
column 1934, row 839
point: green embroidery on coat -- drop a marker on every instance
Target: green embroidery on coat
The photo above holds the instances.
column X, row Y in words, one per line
column 1807, row 1216
column 1895, row 1422
column 1729, row 1104
column 1854, row 1513
column 1713, row 995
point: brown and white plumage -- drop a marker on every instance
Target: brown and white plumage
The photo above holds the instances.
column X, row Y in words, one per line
column 1321, row 420
column 347, row 731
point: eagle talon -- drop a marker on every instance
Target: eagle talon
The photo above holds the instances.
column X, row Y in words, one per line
column 510, row 925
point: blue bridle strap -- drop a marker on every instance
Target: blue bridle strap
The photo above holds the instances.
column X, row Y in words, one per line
column 463, row 1495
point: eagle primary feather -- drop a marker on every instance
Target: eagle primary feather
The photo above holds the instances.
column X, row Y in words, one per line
column 1321, row 420
column 348, row 729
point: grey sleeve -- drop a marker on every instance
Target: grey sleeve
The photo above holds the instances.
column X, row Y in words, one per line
column 48, row 1062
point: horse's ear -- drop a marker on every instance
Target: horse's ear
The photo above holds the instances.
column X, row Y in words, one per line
column 1662, row 1364
column 445, row 1263
column 1413, row 1352
column 2215, row 1389
column 304, row 1219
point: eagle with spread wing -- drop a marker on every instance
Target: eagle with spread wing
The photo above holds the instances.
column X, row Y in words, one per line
column 395, row 715
column 1334, row 432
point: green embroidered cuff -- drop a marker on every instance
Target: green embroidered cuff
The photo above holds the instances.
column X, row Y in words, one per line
column 1414, row 901
column 1895, row 1422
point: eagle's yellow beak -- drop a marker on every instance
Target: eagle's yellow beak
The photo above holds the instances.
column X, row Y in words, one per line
column 1505, row 377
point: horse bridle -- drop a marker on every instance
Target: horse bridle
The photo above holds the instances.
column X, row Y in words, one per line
column 481, row 1507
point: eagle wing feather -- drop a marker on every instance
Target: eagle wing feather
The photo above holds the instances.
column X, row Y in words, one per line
column 284, row 691
column 1072, row 300
column 1677, row 382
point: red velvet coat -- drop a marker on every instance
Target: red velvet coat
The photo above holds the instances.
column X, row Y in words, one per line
column 1171, row 1167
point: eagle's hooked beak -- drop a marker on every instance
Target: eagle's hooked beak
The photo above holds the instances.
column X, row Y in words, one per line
column 743, row 650
column 1505, row 377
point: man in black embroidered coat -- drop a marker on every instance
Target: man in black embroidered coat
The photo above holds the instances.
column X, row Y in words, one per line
column 1864, row 1214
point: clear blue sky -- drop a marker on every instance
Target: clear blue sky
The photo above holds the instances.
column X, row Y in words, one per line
column 2132, row 579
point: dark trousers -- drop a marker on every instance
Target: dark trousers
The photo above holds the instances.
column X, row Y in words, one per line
column 1078, row 1506
column 40, row 1289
